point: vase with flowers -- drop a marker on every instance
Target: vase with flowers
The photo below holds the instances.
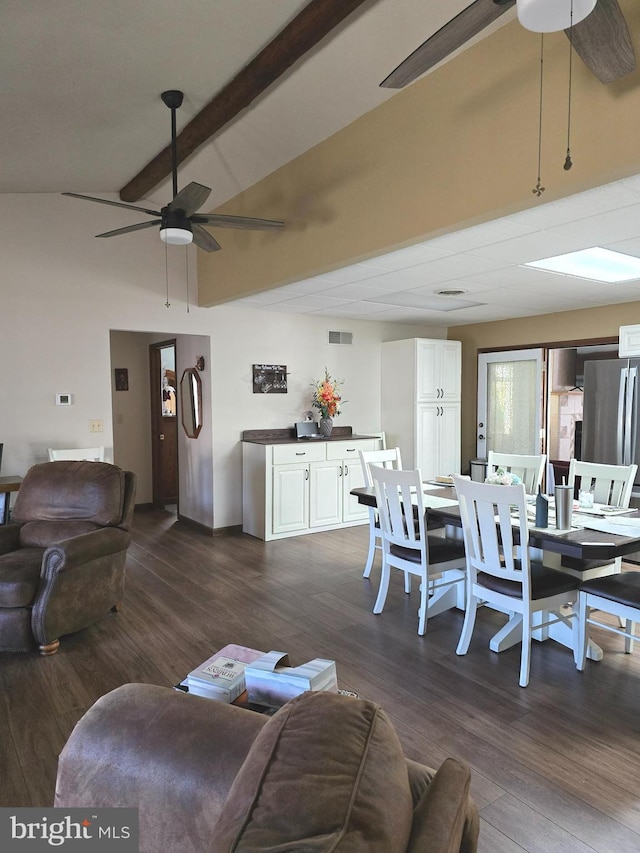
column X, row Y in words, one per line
column 327, row 399
column 500, row 477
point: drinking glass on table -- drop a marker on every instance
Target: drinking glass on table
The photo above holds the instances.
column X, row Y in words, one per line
column 585, row 499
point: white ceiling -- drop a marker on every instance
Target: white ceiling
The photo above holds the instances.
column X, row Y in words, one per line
column 81, row 112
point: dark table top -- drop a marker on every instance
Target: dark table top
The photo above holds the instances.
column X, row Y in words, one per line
column 575, row 543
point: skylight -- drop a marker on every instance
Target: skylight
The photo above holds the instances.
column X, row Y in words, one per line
column 596, row 264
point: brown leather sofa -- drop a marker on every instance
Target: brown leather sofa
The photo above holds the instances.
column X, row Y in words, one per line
column 62, row 557
column 325, row 773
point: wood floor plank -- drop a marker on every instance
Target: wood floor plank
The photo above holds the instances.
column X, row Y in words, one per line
column 555, row 766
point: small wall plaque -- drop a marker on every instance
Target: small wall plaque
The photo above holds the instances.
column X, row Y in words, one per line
column 269, row 378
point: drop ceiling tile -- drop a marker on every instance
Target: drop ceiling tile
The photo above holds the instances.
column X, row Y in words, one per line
column 613, row 225
column 532, row 247
column 410, row 256
column 536, row 302
column 508, row 276
column 355, row 272
column 482, row 235
column 361, row 290
column 609, row 197
column 453, row 267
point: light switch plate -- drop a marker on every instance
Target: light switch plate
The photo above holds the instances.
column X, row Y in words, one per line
column 95, row 426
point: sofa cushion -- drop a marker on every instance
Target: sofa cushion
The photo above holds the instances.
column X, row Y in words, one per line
column 326, row 772
column 87, row 491
column 20, row 576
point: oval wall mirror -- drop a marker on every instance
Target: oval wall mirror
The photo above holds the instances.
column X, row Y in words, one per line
column 191, row 402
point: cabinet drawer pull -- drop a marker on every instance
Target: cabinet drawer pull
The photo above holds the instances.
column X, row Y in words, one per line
column 351, row 449
column 300, row 453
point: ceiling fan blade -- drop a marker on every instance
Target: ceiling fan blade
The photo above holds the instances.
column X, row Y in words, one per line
column 130, row 228
column 190, row 198
column 115, row 203
column 248, row 223
column 448, row 38
column 204, row 240
column 603, row 43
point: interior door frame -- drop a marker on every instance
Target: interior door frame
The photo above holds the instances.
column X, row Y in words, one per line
column 155, row 376
column 537, row 354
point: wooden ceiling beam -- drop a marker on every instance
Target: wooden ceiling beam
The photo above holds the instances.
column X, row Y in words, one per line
column 304, row 32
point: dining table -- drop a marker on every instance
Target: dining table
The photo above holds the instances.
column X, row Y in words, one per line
column 595, row 542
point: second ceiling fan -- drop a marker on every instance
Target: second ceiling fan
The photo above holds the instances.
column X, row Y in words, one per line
column 601, row 40
column 179, row 222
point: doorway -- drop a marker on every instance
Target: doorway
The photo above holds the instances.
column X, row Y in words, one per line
column 164, row 430
column 510, row 402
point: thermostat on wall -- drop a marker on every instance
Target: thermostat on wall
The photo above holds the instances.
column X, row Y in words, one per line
column 63, row 399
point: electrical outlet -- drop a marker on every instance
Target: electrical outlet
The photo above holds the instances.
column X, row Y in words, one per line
column 95, row 426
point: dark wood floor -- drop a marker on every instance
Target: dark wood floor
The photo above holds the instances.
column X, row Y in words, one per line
column 556, row 766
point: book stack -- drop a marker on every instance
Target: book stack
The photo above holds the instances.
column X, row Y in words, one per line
column 271, row 680
column 222, row 676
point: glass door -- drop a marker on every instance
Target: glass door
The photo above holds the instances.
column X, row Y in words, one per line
column 510, row 397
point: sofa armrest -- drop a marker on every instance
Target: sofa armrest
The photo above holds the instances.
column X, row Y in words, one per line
column 171, row 755
column 78, row 550
column 445, row 818
column 9, row 537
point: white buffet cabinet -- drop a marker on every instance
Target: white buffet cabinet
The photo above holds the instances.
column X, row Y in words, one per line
column 421, row 387
column 289, row 489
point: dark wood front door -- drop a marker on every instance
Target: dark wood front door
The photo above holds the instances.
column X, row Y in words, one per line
column 164, row 420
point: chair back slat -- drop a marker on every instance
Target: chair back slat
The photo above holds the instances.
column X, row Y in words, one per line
column 390, row 458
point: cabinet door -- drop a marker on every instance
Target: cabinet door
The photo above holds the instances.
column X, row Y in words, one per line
column 352, row 478
column 290, row 498
column 449, row 439
column 450, row 369
column 427, row 441
column 325, row 495
column 438, row 370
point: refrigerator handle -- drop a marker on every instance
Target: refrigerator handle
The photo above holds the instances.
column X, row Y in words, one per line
column 620, row 433
column 632, row 416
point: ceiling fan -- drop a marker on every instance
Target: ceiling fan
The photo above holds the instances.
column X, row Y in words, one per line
column 179, row 223
column 601, row 40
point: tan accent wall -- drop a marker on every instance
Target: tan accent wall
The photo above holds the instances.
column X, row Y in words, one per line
column 563, row 327
column 454, row 149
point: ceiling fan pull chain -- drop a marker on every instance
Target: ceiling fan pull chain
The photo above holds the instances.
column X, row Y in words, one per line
column 568, row 162
column 186, row 264
column 167, row 304
column 539, row 189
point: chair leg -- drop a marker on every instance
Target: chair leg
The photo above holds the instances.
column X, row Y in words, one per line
column 372, row 550
column 424, row 600
column 583, row 612
column 407, row 582
column 468, row 626
column 525, row 658
column 384, row 586
column 629, row 627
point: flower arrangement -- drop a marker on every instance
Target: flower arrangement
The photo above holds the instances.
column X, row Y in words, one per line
column 500, row 477
column 326, row 396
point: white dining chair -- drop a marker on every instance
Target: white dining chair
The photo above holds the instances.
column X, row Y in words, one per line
column 618, row 595
column 530, row 469
column 501, row 573
column 407, row 546
column 80, row 454
column 387, row 459
column 610, row 485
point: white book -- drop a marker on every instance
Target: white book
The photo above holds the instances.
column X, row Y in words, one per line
column 222, row 676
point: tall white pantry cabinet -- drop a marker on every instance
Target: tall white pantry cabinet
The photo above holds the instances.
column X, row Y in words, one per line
column 421, row 381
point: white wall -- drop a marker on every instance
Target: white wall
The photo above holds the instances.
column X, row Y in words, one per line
column 62, row 292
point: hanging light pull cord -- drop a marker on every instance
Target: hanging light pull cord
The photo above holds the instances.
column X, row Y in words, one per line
column 167, row 304
column 186, row 262
column 568, row 163
column 539, row 189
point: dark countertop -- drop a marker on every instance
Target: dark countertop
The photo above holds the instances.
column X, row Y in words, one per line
column 288, row 436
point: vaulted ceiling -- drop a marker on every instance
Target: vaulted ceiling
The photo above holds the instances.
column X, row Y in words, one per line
column 81, row 111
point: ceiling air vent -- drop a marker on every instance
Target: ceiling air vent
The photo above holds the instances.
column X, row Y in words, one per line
column 345, row 338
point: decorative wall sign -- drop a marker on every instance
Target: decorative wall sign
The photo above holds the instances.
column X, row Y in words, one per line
column 269, row 378
column 122, row 378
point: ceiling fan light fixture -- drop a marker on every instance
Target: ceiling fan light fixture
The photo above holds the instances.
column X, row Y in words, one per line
column 550, row 16
column 176, row 236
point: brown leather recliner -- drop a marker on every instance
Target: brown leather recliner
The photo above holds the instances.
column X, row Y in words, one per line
column 62, row 557
column 326, row 773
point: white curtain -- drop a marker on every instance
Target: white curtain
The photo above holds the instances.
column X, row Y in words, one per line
column 511, row 407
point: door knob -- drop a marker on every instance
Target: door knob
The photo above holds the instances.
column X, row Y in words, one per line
column 161, row 437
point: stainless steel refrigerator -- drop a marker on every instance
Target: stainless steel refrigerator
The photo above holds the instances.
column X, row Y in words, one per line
column 610, row 413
